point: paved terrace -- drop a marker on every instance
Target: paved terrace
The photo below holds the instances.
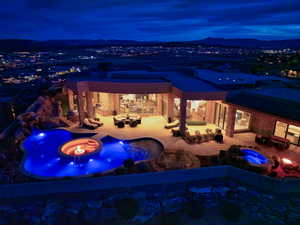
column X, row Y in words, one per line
column 154, row 127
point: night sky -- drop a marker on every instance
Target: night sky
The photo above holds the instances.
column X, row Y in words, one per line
column 162, row 20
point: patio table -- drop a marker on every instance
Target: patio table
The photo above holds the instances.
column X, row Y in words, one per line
column 126, row 118
column 121, row 117
column 133, row 116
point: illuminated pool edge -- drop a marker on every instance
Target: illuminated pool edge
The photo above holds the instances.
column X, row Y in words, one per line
column 71, row 135
column 254, row 157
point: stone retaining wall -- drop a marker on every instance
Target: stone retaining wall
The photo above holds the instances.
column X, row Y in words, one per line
column 93, row 200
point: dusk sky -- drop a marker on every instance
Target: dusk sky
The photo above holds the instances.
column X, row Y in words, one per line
column 162, row 20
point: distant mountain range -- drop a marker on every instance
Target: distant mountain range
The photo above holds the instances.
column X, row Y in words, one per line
column 22, row 44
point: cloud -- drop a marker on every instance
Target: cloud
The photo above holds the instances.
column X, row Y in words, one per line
column 149, row 19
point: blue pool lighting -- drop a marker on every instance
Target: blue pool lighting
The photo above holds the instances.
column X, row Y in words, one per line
column 41, row 134
column 43, row 158
column 254, row 157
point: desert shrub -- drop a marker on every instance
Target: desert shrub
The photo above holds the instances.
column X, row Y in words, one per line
column 143, row 167
column 194, row 209
column 222, row 156
column 128, row 163
column 127, row 207
column 231, row 211
column 234, row 150
column 121, row 171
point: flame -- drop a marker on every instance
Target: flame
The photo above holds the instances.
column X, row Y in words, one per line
column 287, row 161
column 79, row 150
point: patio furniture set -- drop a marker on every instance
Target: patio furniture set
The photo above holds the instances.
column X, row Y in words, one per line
column 132, row 119
column 176, row 123
column 199, row 138
column 277, row 142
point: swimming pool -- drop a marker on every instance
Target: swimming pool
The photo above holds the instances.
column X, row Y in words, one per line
column 43, row 158
column 254, row 157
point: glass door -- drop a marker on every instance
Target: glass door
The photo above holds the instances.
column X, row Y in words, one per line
column 220, row 115
column 288, row 131
column 293, row 134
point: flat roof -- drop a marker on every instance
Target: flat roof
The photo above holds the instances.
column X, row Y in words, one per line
column 289, row 94
column 191, row 84
column 282, row 102
column 119, row 76
column 178, row 79
column 231, row 78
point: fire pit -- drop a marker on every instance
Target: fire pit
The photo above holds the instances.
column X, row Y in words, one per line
column 80, row 147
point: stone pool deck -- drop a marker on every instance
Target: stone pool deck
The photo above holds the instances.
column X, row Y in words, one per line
column 154, row 127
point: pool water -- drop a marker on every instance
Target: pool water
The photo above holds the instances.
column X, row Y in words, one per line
column 43, row 159
column 254, row 157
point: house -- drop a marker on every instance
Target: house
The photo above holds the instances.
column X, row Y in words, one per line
column 234, row 102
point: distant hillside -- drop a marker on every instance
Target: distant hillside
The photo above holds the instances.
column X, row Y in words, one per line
column 20, row 44
column 252, row 43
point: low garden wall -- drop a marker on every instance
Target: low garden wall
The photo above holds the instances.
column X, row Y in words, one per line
column 147, row 198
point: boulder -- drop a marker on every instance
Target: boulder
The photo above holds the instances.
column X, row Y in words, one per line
column 74, row 206
column 177, row 160
column 174, row 204
column 94, row 204
column 148, row 210
column 90, row 216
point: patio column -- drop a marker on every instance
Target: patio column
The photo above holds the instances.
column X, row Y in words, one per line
column 230, row 121
column 171, row 106
column 89, row 104
column 80, row 105
column 116, row 102
column 183, row 102
column 210, row 111
column 70, row 99
column 159, row 103
column 111, row 103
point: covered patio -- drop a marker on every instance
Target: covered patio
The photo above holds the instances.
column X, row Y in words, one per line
column 153, row 126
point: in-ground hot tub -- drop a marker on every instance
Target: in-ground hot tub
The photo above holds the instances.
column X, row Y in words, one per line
column 254, row 157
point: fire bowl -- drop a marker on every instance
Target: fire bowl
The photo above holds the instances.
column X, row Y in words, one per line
column 81, row 147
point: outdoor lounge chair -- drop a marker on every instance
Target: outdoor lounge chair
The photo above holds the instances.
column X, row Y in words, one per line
column 173, row 124
column 211, row 135
column 93, row 121
column 198, row 137
column 190, row 139
column 205, row 138
column 88, row 125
